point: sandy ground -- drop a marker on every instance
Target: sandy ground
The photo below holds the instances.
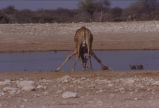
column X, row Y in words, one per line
column 89, row 90
column 106, row 89
column 107, row 36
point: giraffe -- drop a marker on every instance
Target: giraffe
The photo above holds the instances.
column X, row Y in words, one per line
column 83, row 45
column 83, row 49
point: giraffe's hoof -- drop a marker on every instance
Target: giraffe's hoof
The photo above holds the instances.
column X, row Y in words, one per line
column 105, row 68
column 57, row 70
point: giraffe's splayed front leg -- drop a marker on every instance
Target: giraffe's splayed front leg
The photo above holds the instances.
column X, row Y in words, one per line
column 100, row 62
column 65, row 61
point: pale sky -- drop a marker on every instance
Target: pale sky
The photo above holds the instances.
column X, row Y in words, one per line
column 53, row 4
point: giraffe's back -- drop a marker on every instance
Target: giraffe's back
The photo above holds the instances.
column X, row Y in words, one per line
column 83, row 36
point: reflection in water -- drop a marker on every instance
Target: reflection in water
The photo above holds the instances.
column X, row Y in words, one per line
column 48, row 61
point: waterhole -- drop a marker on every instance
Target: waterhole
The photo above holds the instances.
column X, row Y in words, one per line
column 48, row 61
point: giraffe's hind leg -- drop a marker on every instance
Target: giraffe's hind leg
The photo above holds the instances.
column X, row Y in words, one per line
column 84, row 64
column 90, row 63
column 65, row 61
column 87, row 64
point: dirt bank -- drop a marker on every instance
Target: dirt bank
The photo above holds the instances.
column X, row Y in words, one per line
column 80, row 90
column 107, row 36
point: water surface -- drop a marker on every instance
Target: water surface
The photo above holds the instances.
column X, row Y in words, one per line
column 48, row 61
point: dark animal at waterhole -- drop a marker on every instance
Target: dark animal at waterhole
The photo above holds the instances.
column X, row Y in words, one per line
column 136, row 67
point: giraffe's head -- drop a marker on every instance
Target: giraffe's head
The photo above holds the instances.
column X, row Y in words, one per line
column 84, row 44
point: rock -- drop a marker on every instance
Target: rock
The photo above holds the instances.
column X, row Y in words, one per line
column 10, row 90
column 99, row 103
column 41, row 87
column 77, row 81
column 136, row 99
column 26, row 85
column 69, row 94
column 99, row 91
column 121, row 90
column 25, row 100
column 2, row 94
column 131, row 93
column 98, row 81
column 45, row 81
column 5, row 82
column 59, row 91
column 45, row 93
column 64, row 79
column 79, row 87
column 129, row 81
column 71, row 86
column 91, row 102
column 18, row 91
column 22, row 106
column 95, row 103
column 2, row 83
column 92, row 86
column 110, row 85
column 112, row 95
column 156, row 83
column 36, row 95
column 83, row 78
